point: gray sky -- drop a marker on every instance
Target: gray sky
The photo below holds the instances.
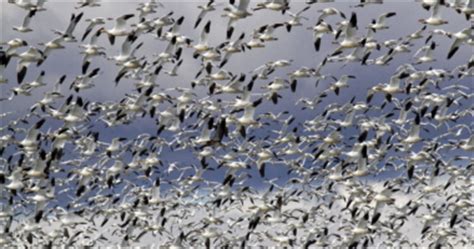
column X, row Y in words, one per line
column 296, row 46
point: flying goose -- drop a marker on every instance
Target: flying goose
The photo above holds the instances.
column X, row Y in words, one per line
column 348, row 30
column 52, row 45
column 341, row 83
column 29, row 56
column 329, row 11
column 13, row 45
column 92, row 23
column 174, row 30
column 148, row 8
column 235, row 13
column 174, row 71
column 67, row 35
column 206, row 8
column 274, row 87
column 275, row 5
column 15, row 178
column 380, row 22
column 27, row 4
column 319, row 30
column 91, row 50
column 203, row 46
column 389, row 89
column 255, row 42
column 296, row 18
column 33, row 135
column 435, row 19
column 38, row 82
column 126, row 51
column 459, row 38
column 24, row 28
column 232, row 47
column 119, row 28
column 467, row 8
column 265, row 33
column 428, row 57
column 88, row 3
column 83, row 82
column 163, row 21
column 234, row 85
column 168, row 54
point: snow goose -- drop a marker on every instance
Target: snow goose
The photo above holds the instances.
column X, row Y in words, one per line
column 92, row 23
column 235, row 13
column 67, row 35
column 380, row 22
column 206, row 8
column 435, row 19
column 275, row 5
column 119, row 28
column 459, row 38
column 296, row 18
column 24, row 28
column 203, row 46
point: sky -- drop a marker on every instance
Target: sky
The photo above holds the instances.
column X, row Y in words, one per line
column 296, row 46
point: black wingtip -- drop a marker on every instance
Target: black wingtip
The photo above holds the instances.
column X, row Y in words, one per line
column 293, row 85
column 353, row 20
column 317, row 44
column 21, row 74
column 111, row 39
column 85, row 66
column 257, row 102
column 207, row 28
column 261, row 170
column 229, row 33
column 40, row 123
column 452, row 52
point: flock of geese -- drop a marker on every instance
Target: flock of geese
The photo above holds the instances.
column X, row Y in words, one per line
column 286, row 155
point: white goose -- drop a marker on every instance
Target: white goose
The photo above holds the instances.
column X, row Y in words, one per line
column 349, row 32
column 330, row 11
column 203, row 46
column 29, row 143
column 91, row 50
column 31, row 55
column 92, row 23
column 119, row 28
column 380, row 22
column 435, row 19
column 247, row 119
column 24, row 28
column 275, row 5
column 319, row 30
column 13, row 45
column 296, row 18
column 232, row 47
column 235, row 13
column 52, row 45
column 208, row 7
column 459, row 38
column 67, row 35
column 428, row 56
